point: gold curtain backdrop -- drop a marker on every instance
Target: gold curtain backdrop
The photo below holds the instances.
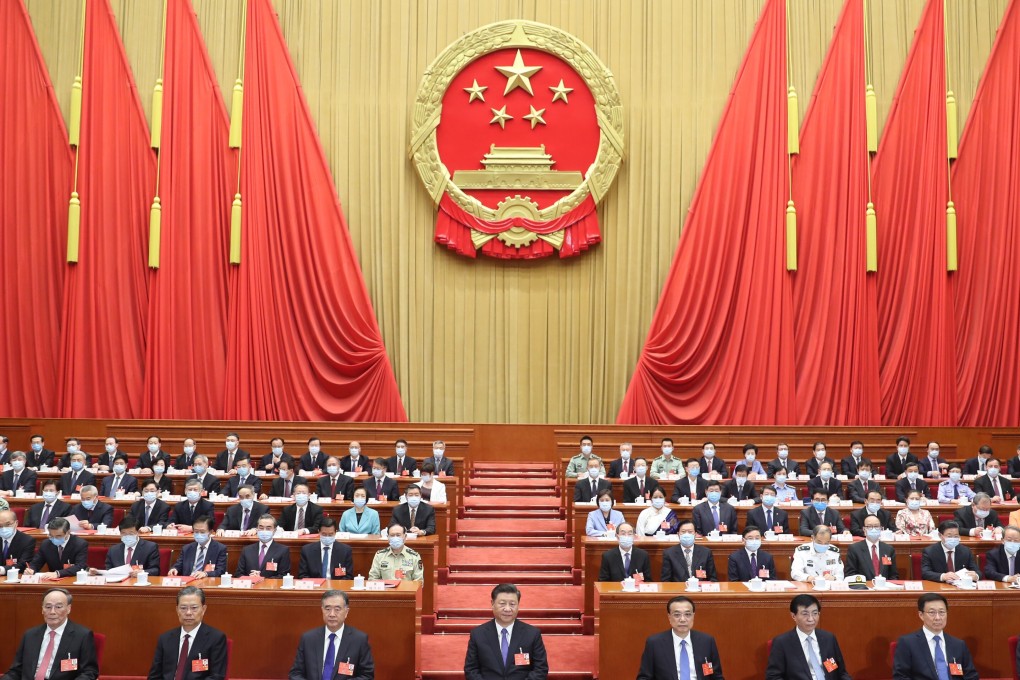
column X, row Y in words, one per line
column 507, row 341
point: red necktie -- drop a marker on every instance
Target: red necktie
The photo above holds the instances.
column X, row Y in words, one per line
column 182, row 660
column 128, row 555
column 874, row 558
column 950, row 567
column 40, row 672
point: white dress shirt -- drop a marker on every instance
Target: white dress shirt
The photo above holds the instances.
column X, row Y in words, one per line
column 326, row 632
column 56, row 646
column 930, row 637
column 690, row 653
column 814, row 645
column 191, row 639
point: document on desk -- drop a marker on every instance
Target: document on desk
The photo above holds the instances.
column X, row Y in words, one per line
column 117, row 574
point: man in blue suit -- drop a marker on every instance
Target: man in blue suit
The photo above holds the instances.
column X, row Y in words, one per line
column 751, row 561
column 806, row 652
column 203, row 557
column 505, row 648
column 680, row 652
column 929, row 653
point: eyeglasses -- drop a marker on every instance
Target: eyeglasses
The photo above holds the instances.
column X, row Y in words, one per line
column 810, row 614
column 54, row 607
column 188, row 608
column 681, row 615
column 936, row 613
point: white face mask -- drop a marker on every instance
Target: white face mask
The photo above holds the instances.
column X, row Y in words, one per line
column 709, row 453
column 401, row 451
column 586, row 448
column 231, row 446
column 820, row 455
column 783, row 453
column 438, row 453
column 625, row 455
column 314, row 449
column 188, row 450
column 857, row 453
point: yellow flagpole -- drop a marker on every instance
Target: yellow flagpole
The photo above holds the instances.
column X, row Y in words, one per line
column 871, row 118
column 156, row 210
column 236, row 112
column 74, row 139
column 792, row 147
column 952, row 146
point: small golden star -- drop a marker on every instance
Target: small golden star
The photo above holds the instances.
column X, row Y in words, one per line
column 561, row 92
column 518, row 75
column 500, row 117
column 476, row 91
column 535, row 117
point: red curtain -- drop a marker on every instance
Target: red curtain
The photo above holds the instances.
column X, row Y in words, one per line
column 187, row 323
column 916, row 336
column 303, row 341
column 837, row 344
column 986, row 183
column 720, row 348
column 102, row 359
column 35, row 185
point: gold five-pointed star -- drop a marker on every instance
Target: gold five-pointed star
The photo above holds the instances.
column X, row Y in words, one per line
column 476, row 91
column 561, row 92
column 535, row 117
column 518, row 75
column 501, row 117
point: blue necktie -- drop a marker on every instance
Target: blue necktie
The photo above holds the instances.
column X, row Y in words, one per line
column 816, row 666
column 328, row 667
column 685, row 662
column 626, row 564
column 504, row 646
column 715, row 515
column 325, row 563
column 941, row 667
column 754, row 565
column 768, row 521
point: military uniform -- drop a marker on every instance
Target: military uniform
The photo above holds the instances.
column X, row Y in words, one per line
column 578, row 466
column 808, row 564
column 661, row 467
column 386, row 564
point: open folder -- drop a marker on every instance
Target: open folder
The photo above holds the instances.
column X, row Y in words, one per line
column 117, row 574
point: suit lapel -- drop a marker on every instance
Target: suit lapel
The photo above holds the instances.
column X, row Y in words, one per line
column 927, row 652
column 66, row 641
column 318, row 651
column 32, row 647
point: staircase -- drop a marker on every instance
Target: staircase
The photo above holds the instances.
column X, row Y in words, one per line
column 511, row 528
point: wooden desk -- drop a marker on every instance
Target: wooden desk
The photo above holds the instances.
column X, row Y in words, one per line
column 262, row 619
column 865, row 622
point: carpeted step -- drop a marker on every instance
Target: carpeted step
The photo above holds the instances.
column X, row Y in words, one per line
column 513, row 468
column 514, row 483
column 548, row 626
column 517, row 503
column 501, row 527
column 491, row 578
column 571, row 657
column 533, row 598
column 504, row 514
column 525, row 559
column 517, row 541
column 503, row 490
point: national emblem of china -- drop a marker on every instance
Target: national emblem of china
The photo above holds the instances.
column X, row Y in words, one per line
column 517, row 134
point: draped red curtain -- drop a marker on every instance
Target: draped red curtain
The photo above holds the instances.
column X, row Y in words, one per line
column 303, row 341
column 35, row 184
column 986, row 183
column 105, row 305
column 834, row 298
column 915, row 303
column 720, row 348
column 185, row 360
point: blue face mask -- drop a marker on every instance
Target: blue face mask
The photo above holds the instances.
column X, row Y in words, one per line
column 768, row 501
column 193, row 496
column 873, row 508
column 714, row 496
column 874, row 534
column 753, row 544
column 88, row 505
column 820, row 506
column 955, row 476
column 694, row 472
column 820, row 548
column 266, row 535
column 7, row 533
column 825, row 474
column 248, row 503
column 626, row 542
column 201, row 538
column 953, row 542
column 864, row 475
column 198, row 469
column 59, row 542
column 604, row 506
column 360, row 502
column 301, row 499
column 912, row 476
column 327, row 541
column 37, row 447
column 77, row 465
column 119, row 469
column 396, row 542
column 129, row 541
column 780, row 479
column 658, row 503
column 413, row 501
column 914, row 504
column 149, row 496
column 687, row 540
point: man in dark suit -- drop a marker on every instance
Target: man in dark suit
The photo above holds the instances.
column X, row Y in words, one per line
column 401, row 464
column 337, row 558
column 710, row 462
column 243, row 516
column 624, row 464
column 896, row 463
column 978, row 463
column 39, row 454
column 850, row 465
column 713, row 513
column 859, row 488
column 933, row 465
column 379, row 485
column 227, row 459
column 313, row 458
column 334, row 484
column 17, row 476
column 141, row 555
column 806, row 652
column 1013, row 466
column 286, row 480
column 16, row 548
column 354, row 462
column 303, row 516
column 336, row 650
column 203, row 557
column 766, row 516
column 941, row 561
column 77, row 477
column 73, row 447
column 39, row 515
column 782, row 461
column 414, row 515
column 873, row 508
column 641, row 484
column 751, row 561
column 149, row 510
column 210, row 484
column 871, row 557
column 697, row 650
column 62, row 555
column 187, row 458
column 683, row 561
column 119, row 479
column 207, row 643
column 588, row 487
column 813, row 464
column 271, row 461
column 977, row 516
column 931, row 654
column 244, row 477
column 692, row 485
column 55, row 643
column 193, row 506
column 825, row 481
column 818, row 513
column 911, row 481
column 152, row 455
column 505, row 648
column 266, row 558
column 739, row 487
column 91, row 512
column 5, row 454
column 995, row 485
column 1002, row 563
column 626, row 560
column 444, row 466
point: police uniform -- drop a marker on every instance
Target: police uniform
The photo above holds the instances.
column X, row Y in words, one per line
column 807, row 564
column 661, row 467
column 385, row 565
column 578, row 466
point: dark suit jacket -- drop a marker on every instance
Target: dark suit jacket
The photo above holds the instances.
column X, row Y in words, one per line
column 410, row 464
column 484, row 661
column 147, row 460
column 857, row 492
column 128, row 483
column 267, row 460
column 340, row 557
column 741, row 493
column 674, row 566
column 277, row 552
column 717, row 465
column 221, row 459
column 313, row 517
column 893, row 466
column 160, row 513
column 787, row 660
column 611, row 568
column 235, row 514
column 933, row 561
column 812, row 464
column 347, row 464
column 815, row 484
column 858, row 560
column 1013, row 468
column 658, row 661
column 997, row 563
column 234, row 483
column 582, row 489
column 77, row 642
column 182, row 513
column 756, row 516
column 36, row 460
column 903, row 488
column 210, row 643
column 968, row 520
column 704, row 522
column 738, row 566
column 616, row 468
column 146, row 555
column 445, row 465
column 775, row 465
column 389, row 487
column 311, row 651
column 34, row 514
column 164, row 483
column 682, row 487
column 210, row 483
column 26, row 481
column 101, row 514
column 47, row 558
column 183, row 461
column 630, row 488
column 971, row 466
column 857, row 518
column 424, row 518
column 848, row 467
column 809, row 520
column 215, row 554
column 926, row 465
column 276, row 489
column 85, row 478
column 22, row 550
column 327, row 488
column 307, row 464
column 984, row 484
column 913, row 661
